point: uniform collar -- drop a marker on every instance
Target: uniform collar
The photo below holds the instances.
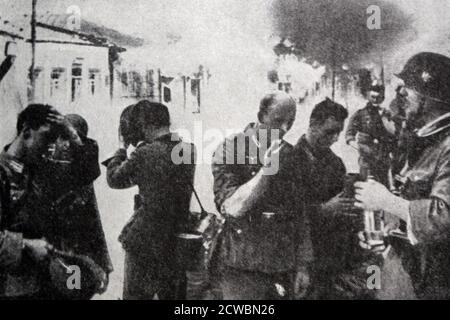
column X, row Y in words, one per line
column 171, row 136
column 373, row 107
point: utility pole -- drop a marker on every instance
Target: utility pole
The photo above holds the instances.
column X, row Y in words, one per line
column 33, row 50
column 333, row 72
column 382, row 69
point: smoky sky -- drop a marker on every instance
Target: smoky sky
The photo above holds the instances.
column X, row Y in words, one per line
column 336, row 30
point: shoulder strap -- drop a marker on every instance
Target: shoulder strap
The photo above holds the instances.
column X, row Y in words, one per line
column 191, row 186
column 5, row 198
column 202, row 209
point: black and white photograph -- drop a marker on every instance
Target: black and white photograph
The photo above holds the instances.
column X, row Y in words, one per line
column 224, row 150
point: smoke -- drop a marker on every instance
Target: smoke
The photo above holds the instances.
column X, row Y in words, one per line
column 333, row 31
column 429, row 31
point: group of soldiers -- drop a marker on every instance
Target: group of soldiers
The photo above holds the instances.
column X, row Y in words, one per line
column 297, row 232
column 302, row 232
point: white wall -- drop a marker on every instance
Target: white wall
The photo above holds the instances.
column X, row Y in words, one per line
column 12, row 94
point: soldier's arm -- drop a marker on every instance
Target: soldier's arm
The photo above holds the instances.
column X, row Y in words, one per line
column 427, row 219
column 231, row 196
column 354, row 126
column 430, row 218
column 247, row 196
column 85, row 167
column 121, row 170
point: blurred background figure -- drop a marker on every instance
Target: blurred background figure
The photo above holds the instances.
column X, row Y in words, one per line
column 367, row 133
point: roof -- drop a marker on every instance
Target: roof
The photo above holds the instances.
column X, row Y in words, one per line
column 13, row 23
column 93, row 30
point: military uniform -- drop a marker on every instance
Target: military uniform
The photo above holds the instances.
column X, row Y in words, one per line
column 15, row 279
column 259, row 250
column 428, row 188
column 162, row 209
column 367, row 128
column 422, row 253
column 32, row 214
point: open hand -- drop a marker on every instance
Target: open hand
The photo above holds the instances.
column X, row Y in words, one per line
column 340, row 205
column 372, row 195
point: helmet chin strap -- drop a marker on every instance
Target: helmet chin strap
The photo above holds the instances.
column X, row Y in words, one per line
column 431, row 98
column 435, row 126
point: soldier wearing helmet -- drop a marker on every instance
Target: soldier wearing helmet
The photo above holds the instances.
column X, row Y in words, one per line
column 419, row 228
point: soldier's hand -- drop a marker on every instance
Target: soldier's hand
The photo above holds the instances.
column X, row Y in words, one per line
column 353, row 144
column 122, row 144
column 372, row 195
column 339, row 205
column 365, row 244
column 105, row 283
column 66, row 127
column 37, row 248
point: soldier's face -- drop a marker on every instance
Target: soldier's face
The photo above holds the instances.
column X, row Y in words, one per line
column 375, row 98
column 38, row 141
column 280, row 118
column 413, row 107
column 327, row 134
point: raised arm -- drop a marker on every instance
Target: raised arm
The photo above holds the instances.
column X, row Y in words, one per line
column 121, row 170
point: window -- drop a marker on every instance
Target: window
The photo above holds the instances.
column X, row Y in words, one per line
column 94, row 81
column 39, row 84
column 195, row 91
column 134, row 84
column 167, row 94
column 122, row 77
column 57, row 81
column 150, row 84
column 76, row 81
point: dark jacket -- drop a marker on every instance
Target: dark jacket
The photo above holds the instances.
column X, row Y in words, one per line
column 164, row 182
column 256, row 242
column 75, row 168
column 67, row 184
column 331, row 236
column 340, row 265
column 19, row 275
column 36, row 211
column 369, row 124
